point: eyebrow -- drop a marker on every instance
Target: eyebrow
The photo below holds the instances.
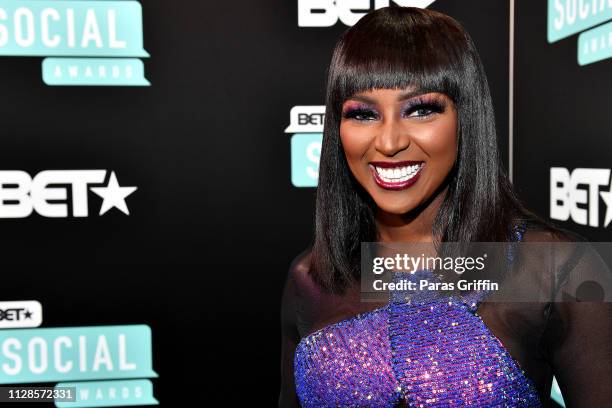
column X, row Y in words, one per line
column 402, row 97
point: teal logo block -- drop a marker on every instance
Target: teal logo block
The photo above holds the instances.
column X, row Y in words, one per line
column 75, row 354
column 81, row 36
column 555, row 393
column 71, row 28
column 567, row 17
column 305, row 157
column 595, row 45
column 94, row 71
column 110, row 394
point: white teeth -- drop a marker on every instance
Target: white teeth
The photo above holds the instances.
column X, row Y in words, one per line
column 398, row 174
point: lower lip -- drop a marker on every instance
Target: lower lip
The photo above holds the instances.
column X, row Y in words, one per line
column 401, row 185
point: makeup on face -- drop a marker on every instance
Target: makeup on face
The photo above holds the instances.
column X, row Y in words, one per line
column 362, row 109
column 395, row 175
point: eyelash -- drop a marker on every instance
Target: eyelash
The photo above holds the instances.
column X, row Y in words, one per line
column 433, row 106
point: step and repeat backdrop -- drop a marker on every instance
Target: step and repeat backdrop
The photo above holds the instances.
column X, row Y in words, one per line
column 562, row 152
column 159, row 164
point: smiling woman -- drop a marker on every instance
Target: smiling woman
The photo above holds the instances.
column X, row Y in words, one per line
column 393, row 141
column 409, row 154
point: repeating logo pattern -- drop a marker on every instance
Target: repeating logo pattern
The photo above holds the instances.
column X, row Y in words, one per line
column 575, row 195
column 72, row 32
column 59, row 193
column 326, row 13
column 307, row 126
column 568, row 17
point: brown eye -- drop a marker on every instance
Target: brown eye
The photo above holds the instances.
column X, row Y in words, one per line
column 423, row 109
column 361, row 115
column 422, row 112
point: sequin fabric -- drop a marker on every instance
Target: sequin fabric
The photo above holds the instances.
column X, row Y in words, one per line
column 423, row 353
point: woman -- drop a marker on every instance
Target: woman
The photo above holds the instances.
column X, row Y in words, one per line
column 409, row 155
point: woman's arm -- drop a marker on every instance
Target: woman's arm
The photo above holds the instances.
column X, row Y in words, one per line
column 289, row 333
column 581, row 352
column 579, row 332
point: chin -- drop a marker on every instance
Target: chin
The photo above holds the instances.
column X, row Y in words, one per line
column 395, row 207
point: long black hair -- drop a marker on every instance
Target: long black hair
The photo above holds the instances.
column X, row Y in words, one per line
column 395, row 48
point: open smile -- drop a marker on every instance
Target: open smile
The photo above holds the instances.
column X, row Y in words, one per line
column 396, row 175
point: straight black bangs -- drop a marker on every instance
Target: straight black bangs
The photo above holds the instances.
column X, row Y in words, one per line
column 404, row 48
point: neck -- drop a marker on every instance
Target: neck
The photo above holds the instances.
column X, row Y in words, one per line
column 413, row 226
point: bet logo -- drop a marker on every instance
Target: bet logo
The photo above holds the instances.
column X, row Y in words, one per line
column 51, row 192
column 575, row 195
column 326, row 13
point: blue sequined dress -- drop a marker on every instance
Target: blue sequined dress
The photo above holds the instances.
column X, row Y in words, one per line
column 418, row 354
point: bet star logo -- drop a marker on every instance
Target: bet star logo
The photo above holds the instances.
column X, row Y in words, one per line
column 53, row 193
column 575, row 195
column 20, row 313
column 113, row 195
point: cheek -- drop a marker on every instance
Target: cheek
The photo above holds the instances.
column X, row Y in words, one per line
column 355, row 143
column 439, row 142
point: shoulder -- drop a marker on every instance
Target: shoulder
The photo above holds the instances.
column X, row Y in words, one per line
column 300, row 290
column 299, row 275
column 293, row 289
column 554, row 244
column 298, row 278
column 576, row 263
column 551, row 233
column 300, row 266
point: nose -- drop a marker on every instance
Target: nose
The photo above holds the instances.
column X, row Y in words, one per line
column 391, row 139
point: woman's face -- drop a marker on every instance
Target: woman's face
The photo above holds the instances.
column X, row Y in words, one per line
column 399, row 146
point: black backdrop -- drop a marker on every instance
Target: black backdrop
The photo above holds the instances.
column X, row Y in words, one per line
column 562, row 114
column 215, row 221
